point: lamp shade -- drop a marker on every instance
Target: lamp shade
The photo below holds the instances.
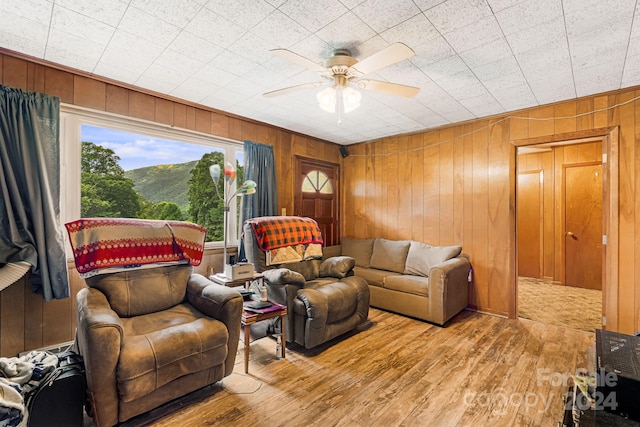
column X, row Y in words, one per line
column 327, row 99
column 351, row 99
column 214, row 171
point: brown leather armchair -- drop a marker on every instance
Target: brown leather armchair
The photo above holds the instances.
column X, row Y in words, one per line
column 151, row 335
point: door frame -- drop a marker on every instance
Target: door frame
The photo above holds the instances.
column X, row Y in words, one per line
column 610, row 213
column 336, row 189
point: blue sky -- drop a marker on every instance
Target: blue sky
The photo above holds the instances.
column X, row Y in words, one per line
column 137, row 151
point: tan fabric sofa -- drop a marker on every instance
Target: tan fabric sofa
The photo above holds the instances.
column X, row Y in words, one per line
column 409, row 277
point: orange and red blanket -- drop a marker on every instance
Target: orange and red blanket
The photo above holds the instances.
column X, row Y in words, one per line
column 108, row 243
column 273, row 232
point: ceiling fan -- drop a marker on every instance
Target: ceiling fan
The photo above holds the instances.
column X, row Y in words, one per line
column 345, row 71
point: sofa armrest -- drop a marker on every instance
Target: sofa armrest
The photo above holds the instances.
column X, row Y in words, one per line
column 448, row 288
column 337, row 267
column 284, row 276
column 316, row 306
column 219, row 302
column 99, row 339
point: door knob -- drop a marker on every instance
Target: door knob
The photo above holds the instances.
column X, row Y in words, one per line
column 573, row 236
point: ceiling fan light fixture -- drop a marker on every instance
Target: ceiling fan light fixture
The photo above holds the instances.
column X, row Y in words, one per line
column 327, row 99
column 351, row 99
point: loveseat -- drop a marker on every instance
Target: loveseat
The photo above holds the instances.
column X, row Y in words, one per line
column 408, row 277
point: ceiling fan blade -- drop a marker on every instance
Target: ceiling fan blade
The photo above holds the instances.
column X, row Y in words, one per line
column 297, row 59
column 291, row 89
column 390, row 88
column 387, row 56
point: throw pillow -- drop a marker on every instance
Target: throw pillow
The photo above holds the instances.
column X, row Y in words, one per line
column 337, row 267
column 390, row 255
column 422, row 257
column 358, row 249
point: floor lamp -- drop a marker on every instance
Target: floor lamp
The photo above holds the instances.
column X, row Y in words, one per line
column 247, row 187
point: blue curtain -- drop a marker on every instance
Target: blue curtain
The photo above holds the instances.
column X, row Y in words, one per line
column 260, row 166
column 30, row 228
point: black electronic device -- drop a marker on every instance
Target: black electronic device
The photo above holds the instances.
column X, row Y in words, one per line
column 618, row 373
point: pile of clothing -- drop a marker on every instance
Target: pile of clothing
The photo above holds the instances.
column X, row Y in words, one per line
column 20, row 376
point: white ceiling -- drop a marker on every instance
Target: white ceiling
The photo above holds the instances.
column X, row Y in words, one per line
column 473, row 58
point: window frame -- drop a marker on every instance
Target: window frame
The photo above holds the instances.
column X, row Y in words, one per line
column 71, row 120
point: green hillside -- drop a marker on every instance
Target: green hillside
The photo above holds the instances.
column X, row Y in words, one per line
column 164, row 183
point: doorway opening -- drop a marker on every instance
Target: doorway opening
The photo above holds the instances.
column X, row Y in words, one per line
column 560, row 224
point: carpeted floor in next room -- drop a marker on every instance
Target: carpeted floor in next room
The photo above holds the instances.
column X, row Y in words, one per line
column 546, row 302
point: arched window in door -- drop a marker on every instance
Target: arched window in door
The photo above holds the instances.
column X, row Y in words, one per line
column 317, row 181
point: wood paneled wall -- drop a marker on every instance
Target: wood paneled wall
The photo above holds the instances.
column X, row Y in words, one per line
column 26, row 322
column 456, row 185
column 551, row 164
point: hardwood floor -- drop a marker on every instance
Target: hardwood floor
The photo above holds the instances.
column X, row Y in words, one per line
column 480, row 370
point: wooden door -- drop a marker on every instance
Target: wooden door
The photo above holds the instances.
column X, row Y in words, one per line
column 317, row 196
column 583, row 225
column 529, row 214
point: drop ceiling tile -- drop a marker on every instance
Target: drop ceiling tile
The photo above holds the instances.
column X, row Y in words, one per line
column 12, row 35
column 244, row 13
column 194, row 47
column 460, row 115
column 73, row 50
column 498, row 5
column 427, row 4
column 178, row 62
column 473, row 89
column 544, row 59
column 382, row 14
column 244, row 87
column 635, row 29
column 233, row 63
column 280, row 31
column 445, row 68
column 175, row 13
column 215, row 28
column 431, row 52
column 158, row 81
column 465, row 12
column 369, row 47
column 505, row 81
column 515, row 97
column 549, row 32
column 129, row 52
column 117, row 72
column 596, row 79
column 148, row 27
column 483, row 105
column 108, row 11
column 71, row 22
column 253, row 48
column 553, row 88
column 487, row 53
column 313, row 15
column 475, row 34
column 277, row 3
column 412, row 32
column 33, row 10
column 212, row 74
column 497, row 69
column 346, row 32
column 631, row 74
column 634, row 47
column 581, row 17
column 457, row 81
column 528, row 14
column 313, row 48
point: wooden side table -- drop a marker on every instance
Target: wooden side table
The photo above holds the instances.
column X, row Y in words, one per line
column 249, row 318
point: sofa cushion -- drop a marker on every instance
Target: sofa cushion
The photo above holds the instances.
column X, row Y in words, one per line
column 160, row 347
column 309, row 269
column 337, row 267
column 372, row 276
column 416, row 285
column 142, row 291
column 358, row 249
column 390, row 254
column 422, row 257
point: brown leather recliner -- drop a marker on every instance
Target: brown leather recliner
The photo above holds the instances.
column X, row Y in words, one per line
column 324, row 299
column 148, row 336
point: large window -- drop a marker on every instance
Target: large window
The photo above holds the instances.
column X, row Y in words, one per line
column 121, row 167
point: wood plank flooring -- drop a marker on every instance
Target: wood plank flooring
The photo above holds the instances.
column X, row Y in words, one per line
column 480, row 370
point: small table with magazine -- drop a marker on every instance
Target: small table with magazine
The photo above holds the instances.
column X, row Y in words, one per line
column 253, row 315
